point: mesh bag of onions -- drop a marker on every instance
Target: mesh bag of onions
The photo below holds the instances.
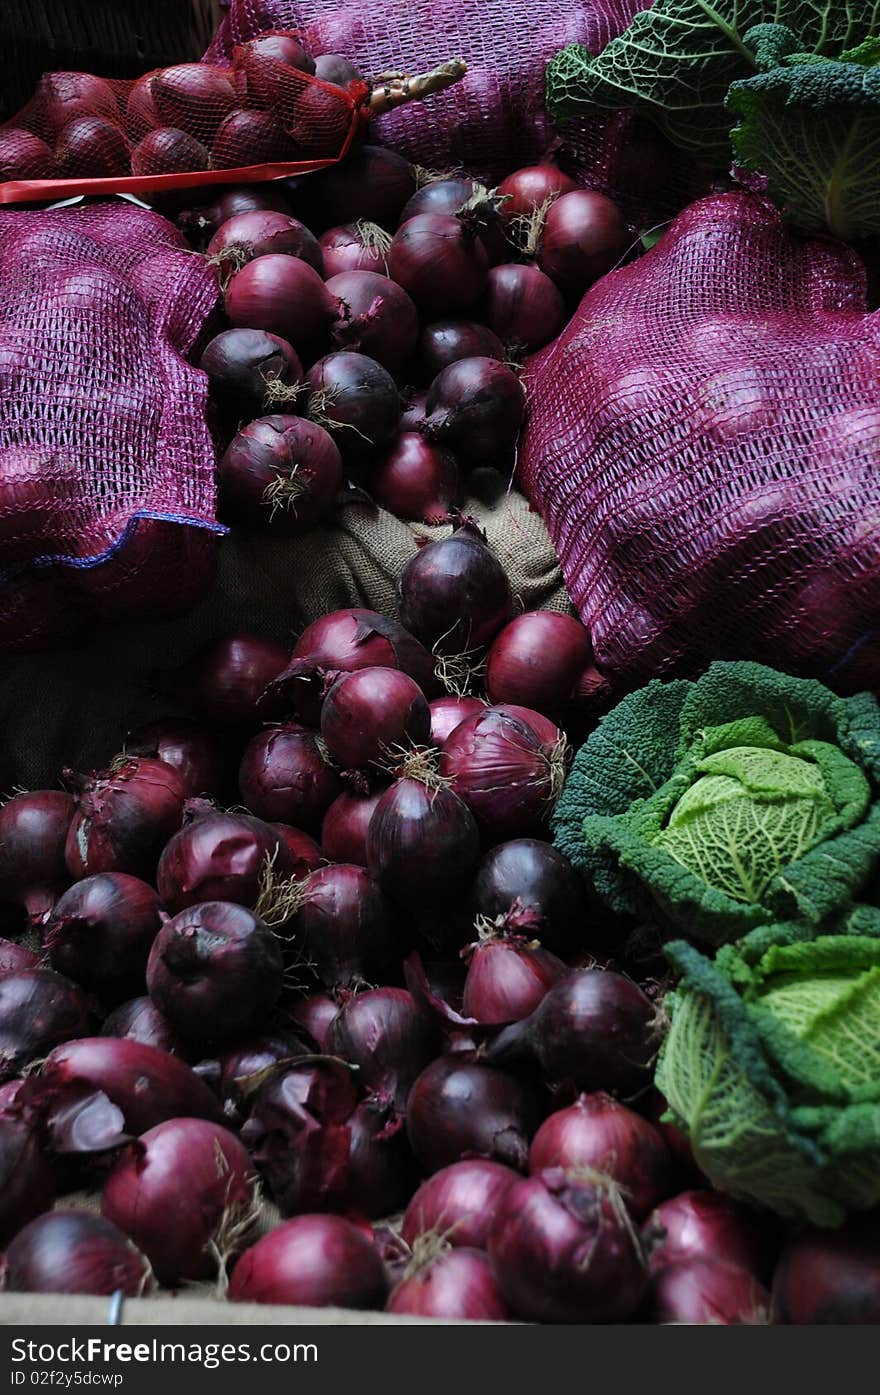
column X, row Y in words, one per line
column 107, row 499
column 179, row 125
column 704, row 442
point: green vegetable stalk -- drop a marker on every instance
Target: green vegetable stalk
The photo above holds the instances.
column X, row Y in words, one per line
column 742, row 799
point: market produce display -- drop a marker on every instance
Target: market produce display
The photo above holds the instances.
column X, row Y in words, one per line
column 459, row 947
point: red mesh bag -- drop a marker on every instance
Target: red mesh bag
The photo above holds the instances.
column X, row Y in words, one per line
column 258, row 118
column 107, row 499
column 704, row 444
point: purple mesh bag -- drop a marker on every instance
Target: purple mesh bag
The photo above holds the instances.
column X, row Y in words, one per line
column 704, row 445
column 107, row 500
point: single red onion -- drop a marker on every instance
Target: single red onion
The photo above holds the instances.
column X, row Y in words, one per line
column 355, row 399
column 243, row 198
column 529, row 189
column 506, row 773
column 416, row 480
column 584, row 235
column 314, row 1261
column 599, row 1134
column 448, row 711
column 376, row 317
column 255, row 137
column 830, row 1276
column 230, row 675
column 38, row 1010
column 422, row 842
column 141, row 114
column 194, row 96
column 527, row 884
column 454, row 595
column 249, row 370
column 193, row 752
column 508, row 976
column 14, row 958
column 100, row 933
column 266, row 55
column 169, row 150
column 315, row 1016
column 33, row 832
column 286, row 775
column 446, row 195
column 703, row 1224
column 219, row 857
column 340, row 642
column 457, row 1284
column 263, row 233
column 381, row 1168
column 281, row 474
column 184, row 1193
column 93, row 146
column 355, row 247
column 475, row 406
column 344, row 830
column 66, row 95
column 439, row 259
column 563, row 1250
column 75, row 1252
column 24, row 155
column 709, row 1292
column 370, row 713
column 523, row 306
column 374, row 183
column 215, row 971
column 27, row 1183
column 538, row 660
column 139, row 1020
column 462, row 1107
column 344, row 926
column 334, row 68
column 123, row 817
column 283, row 295
column 303, row 852
column 593, row 1028
column 447, row 341
column 390, row 1041
column 459, row 1203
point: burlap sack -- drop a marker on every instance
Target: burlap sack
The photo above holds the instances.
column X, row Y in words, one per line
column 74, row 706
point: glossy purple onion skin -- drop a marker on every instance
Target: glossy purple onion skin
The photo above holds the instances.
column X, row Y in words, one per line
column 33, row 831
column 458, row 1285
column 371, row 712
column 27, row 1183
column 244, row 364
column 708, row 1292
column 147, row 1084
column 140, row 1020
column 446, row 341
column 193, row 752
column 318, row 1261
column 421, row 843
column 72, row 1251
column 830, row 1276
column 38, row 1010
column 459, row 1107
column 345, row 927
column 284, row 776
column 454, row 594
column 219, row 856
column 459, row 1202
column 100, row 933
column 546, row 887
column 384, row 1034
column 704, row 1224
column 345, row 826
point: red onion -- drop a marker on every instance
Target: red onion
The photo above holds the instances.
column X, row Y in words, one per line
column 381, row 1168
column 304, row 854
column 298, row 1134
column 387, row 1038
column 219, row 857
column 193, row 96
column 243, row 1062
column 215, row 971
column 270, row 51
column 147, row 1085
column 599, row 1134
column 283, row 295
column 461, row 1107
column 261, row 233
column 245, row 198
column 447, row 195
column 528, row 189
column 344, row 830
column 830, row 1277
column 703, row 1224
column 545, row 729
column 584, row 234
column 230, row 675
column 38, row 1009
column 193, row 752
column 24, row 156
column 285, row 775
column 184, row 1192
column 315, row 1261
column 332, row 67
column 90, row 145
column 456, row 1284
column 66, row 95
column 33, row 831
column 523, row 306
column 537, row 660
column 707, row 1291
column 476, row 406
column 168, row 150
column 509, row 777
column 341, row 642
column 448, row 341
column 507, row 977
column 14, row 958
column 75, row 1252
column 257, row 138
column 459, row 1202
column 100, row 932
column 563, row 1250
column 280, row 474
column 250, row 369
column 454, row 594
column 373, row 183
column 376, row 317
column 447, row 712
column 27, row 1185
column 315, row 1016
column 355, row 398
column 123, row 817
column 412, row 418
column 529, row 885
column 369, row 713
column 355, row 247
column 440, row 261
column 416, row 480
column 140, row 109
column 594, row 1028
column 139, row 1020
column 344, row 925
column 422, row 842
